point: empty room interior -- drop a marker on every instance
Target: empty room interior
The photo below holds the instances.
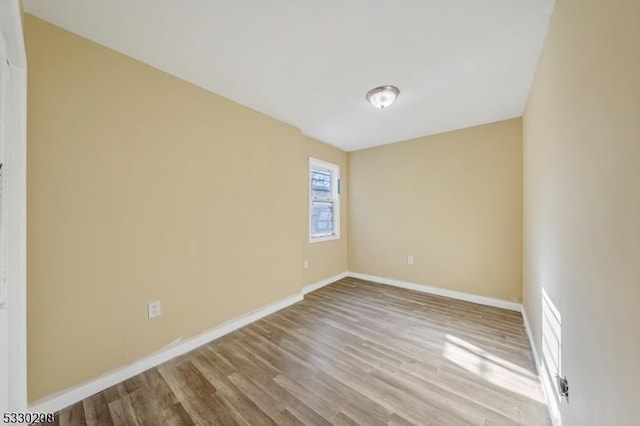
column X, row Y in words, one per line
column 412, row 212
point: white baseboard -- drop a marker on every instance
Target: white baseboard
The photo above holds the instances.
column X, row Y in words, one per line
column 313, row 287
column 70, row 396
column 547, row 387
column 482, row 300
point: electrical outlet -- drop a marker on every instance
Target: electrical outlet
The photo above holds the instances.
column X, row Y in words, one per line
column 409, row 260
column 563, row 387
column 305, row 264
column 154, row 309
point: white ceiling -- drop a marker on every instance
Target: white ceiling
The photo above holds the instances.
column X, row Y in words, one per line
column 458, row 63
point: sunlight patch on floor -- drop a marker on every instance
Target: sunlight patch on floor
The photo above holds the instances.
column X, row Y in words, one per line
column 492, row 368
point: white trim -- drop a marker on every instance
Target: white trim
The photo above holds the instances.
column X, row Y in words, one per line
column 315, row 286
column 329, row 237
column 4, row 328
column 482, row 300
column 13, row 352
column 547, row 386
column 67, row 397
column 16, row 180
column 70, row 396
column 334, row 169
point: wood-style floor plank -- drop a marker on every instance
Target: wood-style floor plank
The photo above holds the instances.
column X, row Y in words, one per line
column 352, row 353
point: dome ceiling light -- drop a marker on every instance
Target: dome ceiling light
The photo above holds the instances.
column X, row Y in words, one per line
column 382, row 97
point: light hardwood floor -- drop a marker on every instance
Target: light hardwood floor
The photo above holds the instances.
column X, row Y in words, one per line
column 350, row 353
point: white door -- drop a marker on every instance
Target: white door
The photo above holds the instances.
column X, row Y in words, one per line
column 13, row 190
column 4, row 372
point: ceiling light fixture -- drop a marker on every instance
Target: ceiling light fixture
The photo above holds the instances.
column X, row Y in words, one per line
column 382, row 97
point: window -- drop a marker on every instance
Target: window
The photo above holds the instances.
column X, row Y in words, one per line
column 324, row 201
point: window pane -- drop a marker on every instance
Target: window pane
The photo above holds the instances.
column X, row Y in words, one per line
column 321, row 218
column 320, row 185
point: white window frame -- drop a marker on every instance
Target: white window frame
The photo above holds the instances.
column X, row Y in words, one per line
column 334, row 169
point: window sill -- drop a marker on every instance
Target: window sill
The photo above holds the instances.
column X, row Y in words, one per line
column 324, row 238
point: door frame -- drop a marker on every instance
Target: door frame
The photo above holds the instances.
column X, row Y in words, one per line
column 13, row 319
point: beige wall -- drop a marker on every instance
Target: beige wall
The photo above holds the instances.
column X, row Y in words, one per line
column 453, row 201
column 582, row 203
column 141, row 187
